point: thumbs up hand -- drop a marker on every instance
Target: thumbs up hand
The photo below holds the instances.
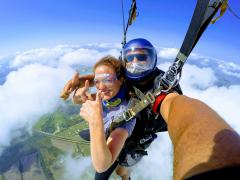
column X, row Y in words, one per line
column 91, row 110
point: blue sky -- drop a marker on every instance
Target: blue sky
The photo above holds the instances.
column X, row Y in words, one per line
column 31, row 24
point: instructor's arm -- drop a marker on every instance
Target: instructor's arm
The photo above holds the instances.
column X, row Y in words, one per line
column 201, row 139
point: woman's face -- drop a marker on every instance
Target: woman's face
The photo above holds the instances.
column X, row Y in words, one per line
column 106, row 81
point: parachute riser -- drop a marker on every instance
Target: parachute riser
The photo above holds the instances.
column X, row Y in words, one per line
column 172, row 76
column 131, row 18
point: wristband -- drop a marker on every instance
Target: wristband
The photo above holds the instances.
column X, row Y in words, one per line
column 158, row 102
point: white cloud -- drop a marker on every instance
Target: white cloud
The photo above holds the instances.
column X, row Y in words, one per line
column 105, row 45
column 229, row 65
column 87, row 57
column 27, row 94
column 199, row 78
column 81, row 56
column 78, row 168
column 230, row 68
column 235, row 74
column 171, row 53
column 42, row 55
column 66, row 55
column 168, row 53
column 158, row 164
column 34, row 89
column 193, row 76
column 196, row 56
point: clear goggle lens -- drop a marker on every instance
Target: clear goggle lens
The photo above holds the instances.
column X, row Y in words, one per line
column 106, row 79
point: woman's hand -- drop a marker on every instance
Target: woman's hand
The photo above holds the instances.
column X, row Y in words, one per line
column 78, row 81
column 81, row 95
column 91, row 111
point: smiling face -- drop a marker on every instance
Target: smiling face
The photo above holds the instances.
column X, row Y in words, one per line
column 106, row 81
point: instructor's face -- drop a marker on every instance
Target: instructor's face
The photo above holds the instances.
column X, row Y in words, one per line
column 137, row 61
column 106, row 81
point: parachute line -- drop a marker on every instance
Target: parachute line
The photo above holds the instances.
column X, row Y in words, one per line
column 233, row 13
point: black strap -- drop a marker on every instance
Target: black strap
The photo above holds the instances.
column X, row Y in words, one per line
column 194, row 27
column 203, row 14
column 209, row 14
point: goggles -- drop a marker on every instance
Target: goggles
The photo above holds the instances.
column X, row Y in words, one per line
column 106, row 79
column 139, row 57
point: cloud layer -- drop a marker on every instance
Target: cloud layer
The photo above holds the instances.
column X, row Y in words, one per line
column 28, row 93
column 36, row 77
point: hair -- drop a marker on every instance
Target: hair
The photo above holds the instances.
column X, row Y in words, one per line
column 112, row 62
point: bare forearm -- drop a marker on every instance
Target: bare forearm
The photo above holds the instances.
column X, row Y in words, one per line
column 88, row 77
column 101, row 155
column 202, row 140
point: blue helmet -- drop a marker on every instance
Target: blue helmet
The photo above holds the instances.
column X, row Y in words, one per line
column 140, row 59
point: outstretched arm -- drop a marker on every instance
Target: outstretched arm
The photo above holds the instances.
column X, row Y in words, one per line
column 202, row 140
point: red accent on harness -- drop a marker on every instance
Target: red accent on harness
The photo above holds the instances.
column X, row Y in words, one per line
column 158, row 102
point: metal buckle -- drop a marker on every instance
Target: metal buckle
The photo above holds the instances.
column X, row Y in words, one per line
column 150, row 97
